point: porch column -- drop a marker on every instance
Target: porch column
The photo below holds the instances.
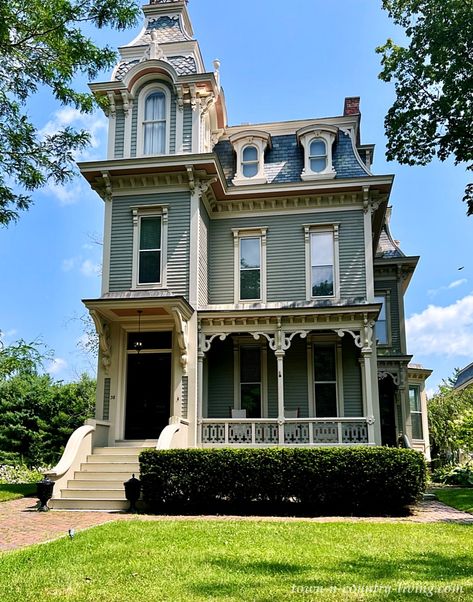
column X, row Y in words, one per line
column 370, row 384
column 280, row 367
column 200, row 385
column 367, row 388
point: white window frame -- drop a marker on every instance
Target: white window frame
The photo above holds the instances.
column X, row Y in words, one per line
column 419, row 412
column 145, row 92
column 322, row 228
column 306, row 135
column 385, row 294
column 239, row 141
column 238, row 235
column 238, row 343
column 138, row 213
column 337, row 344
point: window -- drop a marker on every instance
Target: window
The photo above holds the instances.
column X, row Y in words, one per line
column 250, row 265
column 250, row 380
column 381, row 327
column 325, row 380
column 149, row 246
column 250, row 162
column 416, row 412
column 154, row 124
column 318, row 155
column 322, row 261
column 317, row 141
column 249, row 147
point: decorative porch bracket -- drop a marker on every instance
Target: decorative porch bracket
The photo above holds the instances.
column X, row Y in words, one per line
column 182, row 337
column 364, row 339
column 103, row 330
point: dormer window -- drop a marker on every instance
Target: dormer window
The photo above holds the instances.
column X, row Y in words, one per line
column 249, row 147
column 318, row 155
column 154, row 117
column 317, row 141
column 250, row 162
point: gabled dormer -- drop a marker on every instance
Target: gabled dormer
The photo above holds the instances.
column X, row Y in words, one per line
column 162, row 101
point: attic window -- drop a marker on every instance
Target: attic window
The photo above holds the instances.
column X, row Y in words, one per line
column 317, row 141
column 249, row 147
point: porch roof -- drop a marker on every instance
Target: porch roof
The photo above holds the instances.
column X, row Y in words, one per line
column 122, row 305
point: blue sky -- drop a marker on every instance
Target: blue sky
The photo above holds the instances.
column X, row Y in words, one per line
column 278, row 62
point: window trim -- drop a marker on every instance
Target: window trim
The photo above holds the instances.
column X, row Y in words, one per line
column 334, row 229
column 420, row 412
column 138, row 213
column 261, row 141
column 313, row 157
column 337, row 344
column 327, row 133
column 387, row 304
column 145, row 92
column 238, row 235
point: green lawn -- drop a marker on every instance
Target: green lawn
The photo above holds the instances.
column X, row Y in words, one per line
column 197, row 561
column 460, row 498
column 14, row 492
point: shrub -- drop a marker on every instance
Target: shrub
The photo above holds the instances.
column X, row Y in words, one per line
column 19, row 474
column 461, row 475
column 363, row 480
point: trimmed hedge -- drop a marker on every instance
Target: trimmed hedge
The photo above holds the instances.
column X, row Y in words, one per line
column 361, row 480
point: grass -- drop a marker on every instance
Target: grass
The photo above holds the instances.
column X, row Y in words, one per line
column 195, row 561
column 16, row 491
column 460, row 498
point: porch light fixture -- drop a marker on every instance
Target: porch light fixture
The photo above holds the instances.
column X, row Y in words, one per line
column 138, row 344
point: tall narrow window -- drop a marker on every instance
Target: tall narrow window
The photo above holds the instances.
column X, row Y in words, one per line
column 381, row 327
column 250, row 380
column 322, row 264
column 149, row 271
column 250, row 162
column 325, row 380
column 154, row 124
column 416, row 412
column 250, row 268
column 318, row 155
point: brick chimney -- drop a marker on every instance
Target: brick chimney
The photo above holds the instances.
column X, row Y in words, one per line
column 352, row 106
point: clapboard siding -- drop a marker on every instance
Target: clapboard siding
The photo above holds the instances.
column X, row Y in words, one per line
column 187, row 139
column 171, row 125
column 121, row 252
column 352, row 393
column 203, row 292
column 390, row 286
column 295, row 378
column 119, row 134
column 220, row 379
column 286, row 263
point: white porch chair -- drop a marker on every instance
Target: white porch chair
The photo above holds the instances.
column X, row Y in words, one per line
column 238, row 413
column 291, row 413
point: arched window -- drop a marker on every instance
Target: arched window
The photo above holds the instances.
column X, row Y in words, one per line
column 154, row 124
column 250, row 162
column 318, row 155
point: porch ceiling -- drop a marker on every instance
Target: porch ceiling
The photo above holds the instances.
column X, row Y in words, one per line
column 121, row 308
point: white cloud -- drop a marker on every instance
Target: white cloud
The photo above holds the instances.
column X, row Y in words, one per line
column 68, row 264
column 89, row 268
column 66, row 194
column 56, row 366
column 455, row 284
column 446, row 331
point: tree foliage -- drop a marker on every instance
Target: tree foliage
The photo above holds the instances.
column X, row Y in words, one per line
column 432, row 115
column 42, row 43
column 451, row 422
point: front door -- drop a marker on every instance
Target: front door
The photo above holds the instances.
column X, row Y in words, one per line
column 148, row 395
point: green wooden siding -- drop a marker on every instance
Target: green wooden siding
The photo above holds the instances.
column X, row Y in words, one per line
column 204, row 223
column 352, row 392
column 172, row 125
column 295, row 377
column 187, row 139
column 286, row 263
column 390, row 285
column 119, row 133
column 121, row 251
column 220, row 379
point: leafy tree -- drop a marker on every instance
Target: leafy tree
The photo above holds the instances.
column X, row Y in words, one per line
column 451, row 421
column 42, row 44
column 21, row 358
column 433, row 74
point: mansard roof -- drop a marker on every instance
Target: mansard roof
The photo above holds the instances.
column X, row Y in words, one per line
column 388, row 248
column 465, row 377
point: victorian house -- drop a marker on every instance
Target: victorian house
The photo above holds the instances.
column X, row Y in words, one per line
column 252, row 293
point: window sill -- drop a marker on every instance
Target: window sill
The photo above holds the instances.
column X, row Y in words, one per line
column 308, row 176
column 249, row 181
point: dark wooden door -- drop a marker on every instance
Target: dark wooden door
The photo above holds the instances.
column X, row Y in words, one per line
column 148, row 395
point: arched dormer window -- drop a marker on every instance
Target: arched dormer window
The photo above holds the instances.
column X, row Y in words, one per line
column 317, row 141
column 154, row 124
column 318, row 155
column 154, row 118
column 250, row 161
column 249, row 146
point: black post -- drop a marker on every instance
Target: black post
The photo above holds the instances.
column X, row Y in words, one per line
column 44, row 491
column 132, row 492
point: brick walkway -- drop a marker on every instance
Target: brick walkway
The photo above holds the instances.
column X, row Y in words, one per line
column 21, row 525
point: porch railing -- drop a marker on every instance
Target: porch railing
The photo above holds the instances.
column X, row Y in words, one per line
column 291, row 431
